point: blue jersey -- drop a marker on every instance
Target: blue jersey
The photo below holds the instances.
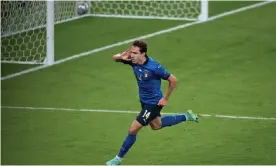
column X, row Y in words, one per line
column 148, row 76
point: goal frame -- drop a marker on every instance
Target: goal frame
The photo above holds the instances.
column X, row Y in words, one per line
column 50, row 23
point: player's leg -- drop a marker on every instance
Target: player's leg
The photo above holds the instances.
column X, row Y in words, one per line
column 130, row 138
column 141, row 120
column 171, row 120
column 156, row 123
column 127, row 144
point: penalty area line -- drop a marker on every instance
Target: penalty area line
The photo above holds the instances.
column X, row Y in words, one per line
column 132, row 112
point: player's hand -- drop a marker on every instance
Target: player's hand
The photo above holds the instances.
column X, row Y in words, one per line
column 163, row 102
column 126, row 55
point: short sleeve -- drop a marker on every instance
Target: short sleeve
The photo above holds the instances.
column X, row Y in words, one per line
column 161, row 72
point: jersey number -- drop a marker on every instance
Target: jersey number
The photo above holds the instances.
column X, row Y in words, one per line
column 146, row 115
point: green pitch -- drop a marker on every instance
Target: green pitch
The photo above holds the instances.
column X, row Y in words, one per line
column 226, row 66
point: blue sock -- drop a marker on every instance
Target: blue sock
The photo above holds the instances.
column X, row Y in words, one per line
column 172, row 120
column 129, row 141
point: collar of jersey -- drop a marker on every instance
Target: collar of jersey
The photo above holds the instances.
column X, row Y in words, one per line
column 147, row 60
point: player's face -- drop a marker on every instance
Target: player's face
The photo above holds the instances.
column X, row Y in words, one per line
column 136, row 55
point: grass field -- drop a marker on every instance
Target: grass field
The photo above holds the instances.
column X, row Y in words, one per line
column 226, row 66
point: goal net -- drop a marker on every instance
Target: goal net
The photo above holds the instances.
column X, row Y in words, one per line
column 27, row 27
column 24, row 29
column 167, row 9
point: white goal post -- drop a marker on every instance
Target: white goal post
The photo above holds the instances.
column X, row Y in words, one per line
column 27, row 27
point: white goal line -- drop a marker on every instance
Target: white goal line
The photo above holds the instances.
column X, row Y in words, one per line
column 132, row 112
column 140, row 37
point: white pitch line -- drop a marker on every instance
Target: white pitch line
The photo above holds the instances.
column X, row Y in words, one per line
column 141, row 37
column 132, row 112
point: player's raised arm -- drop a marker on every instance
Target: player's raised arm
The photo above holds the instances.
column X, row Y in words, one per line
column 122, row 56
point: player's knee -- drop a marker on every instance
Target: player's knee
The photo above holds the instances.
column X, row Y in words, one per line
column 135, row 127
column 132, row 131
column 156, row 127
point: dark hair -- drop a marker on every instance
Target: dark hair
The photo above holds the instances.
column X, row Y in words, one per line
column 142, row 45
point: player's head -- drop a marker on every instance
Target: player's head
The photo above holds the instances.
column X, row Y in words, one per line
column 138, row 50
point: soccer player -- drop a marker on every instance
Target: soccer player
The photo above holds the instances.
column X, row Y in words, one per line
column 148, row 74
